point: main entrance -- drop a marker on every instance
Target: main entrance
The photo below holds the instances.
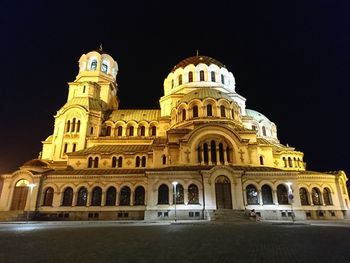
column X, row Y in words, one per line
column 223, row 193
column 20, row 193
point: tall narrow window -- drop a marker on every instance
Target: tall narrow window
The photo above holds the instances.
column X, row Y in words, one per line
column 74, row 147
column 137, row 162
column 142, row 130
column 285, row 161
column 222, row 79
column 327, row 199
column 111, row 196
column 125, row 196
column 120, row 162
column 172, row 83
column 190, row 76
column 213, row 151
column 209, row 110
column 104, row 67
column 143, row 161
column 96, row 196
column 154, row 131
column 120, row 130
column 195, row 111
column 65, row 148
column 261, row 159
column 282, row 195
column 68, row 126
column 180, row 80
column 290, row 162
column 223, row 111
column 78, row 126
column 213, row 76
column 252, row 195
column 108, row 131
column 90, row 162
column 163, row 159
column 206, row 155
column 48, row 197
column 266, row 193
column 139, row 196
column 221, row 153
column 193, row 194
column 67, row 197
column 163, row 194
column 316, row 196
column 93, row 65
column 304, row 196
column 114, row 162
column 96, row 162
column 263, row 130
column 82, row 197
column 183, row 114
column 73, row 125
column 131, row 131
column 201, row 75
column 179, row 195
column 92, row 130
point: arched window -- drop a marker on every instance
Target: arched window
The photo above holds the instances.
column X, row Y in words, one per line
column 206, row 156
column 172, row 83
column 143, row 161
column 67, row 199
column 195, row 111
column 304, row 196
column 90, row 162
column 299, row 163
column 120, row 131
column 266, row 193
column 96, row 162
column 316, row 196
column 108, row 131
column 290, row 162
column 125, row 196
column 96, row 196
column 221, row 153
column 252, row 195
column 263, row 130
column 163, row 159
column 228, row 154
column 282, row 194
column 137, row 162
column 114, row 162
column 213, row 151
column 209, row 110
column 48, row 197
column 183, row 114
column 142, row 131
column 213, row 76
column 104, row 67
column 233, row 115
column 295, row 162
column 111, row 196
column 327, row 198
column 74, row 147
column 139, row 196
column 190, row 76
column 222, row 79
column 163, row 194
column 73, row 125
column 153, row 131
column 193, row 194
column 180, row 80
column 120, row 162
column 65, row 148
column 201, row 75
column 261, row 159
column 179, row 195
column 131, row 131
column 285, row 161
column 82, row 197
column 222, row 111
column 68, row 126
column 93, row 65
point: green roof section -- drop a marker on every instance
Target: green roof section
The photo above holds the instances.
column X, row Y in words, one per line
column 135, row 115
column 112, row 149
column 256, row 115
column 195, row 60
column 87, row 103
column 203, row 93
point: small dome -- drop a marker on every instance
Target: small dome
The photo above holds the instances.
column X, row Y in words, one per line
column 204, row 93
column 195, row 60
column 36, row 163
column 256, row 115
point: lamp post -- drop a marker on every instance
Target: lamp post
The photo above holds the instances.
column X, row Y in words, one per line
column 290, row 198
column 31, row 186
column 174, row 184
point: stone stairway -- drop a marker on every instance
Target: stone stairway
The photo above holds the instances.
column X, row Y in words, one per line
column 228, row 215
column 6, row 216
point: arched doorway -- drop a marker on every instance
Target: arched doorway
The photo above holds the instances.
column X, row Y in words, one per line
column 223, row 193
column 20, row 194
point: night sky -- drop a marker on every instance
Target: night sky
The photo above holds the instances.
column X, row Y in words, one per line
column 291, row 60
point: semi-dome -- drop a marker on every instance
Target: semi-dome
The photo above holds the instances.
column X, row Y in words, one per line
column 204, row 93
column 195, row 60
column 36, row 163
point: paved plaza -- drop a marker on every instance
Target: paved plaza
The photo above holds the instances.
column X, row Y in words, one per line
column 183, row 242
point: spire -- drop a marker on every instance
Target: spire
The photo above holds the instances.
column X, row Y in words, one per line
column 100, row 48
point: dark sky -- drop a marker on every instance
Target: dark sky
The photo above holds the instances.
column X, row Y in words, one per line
column 291, row 60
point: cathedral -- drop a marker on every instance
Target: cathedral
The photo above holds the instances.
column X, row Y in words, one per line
column 202, row 156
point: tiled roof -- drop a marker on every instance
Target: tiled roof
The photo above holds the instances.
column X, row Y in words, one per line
column 135, row 115
column 111, row 149
column 88, row 103
column 97, row 171
column 195, row 60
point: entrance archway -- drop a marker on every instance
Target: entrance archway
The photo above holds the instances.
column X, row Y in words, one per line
column 20, row 193
column 223, row 193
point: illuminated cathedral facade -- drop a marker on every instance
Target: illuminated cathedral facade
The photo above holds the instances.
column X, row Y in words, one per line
column 202, row 152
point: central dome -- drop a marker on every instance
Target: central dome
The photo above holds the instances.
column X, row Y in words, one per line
column 195, row 60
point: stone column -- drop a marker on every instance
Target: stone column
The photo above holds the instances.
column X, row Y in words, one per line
column 202, row 154
column 225, row 158
column 274, row 197
column 217, row 156
column 209, row 156
column 89, row 197
column 132, row 198
column 103, row 198
column 260, row 197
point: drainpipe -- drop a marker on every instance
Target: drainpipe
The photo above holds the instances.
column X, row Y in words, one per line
column 203, row 210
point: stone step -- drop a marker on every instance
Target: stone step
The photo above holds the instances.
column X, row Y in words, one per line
column 229, row 215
